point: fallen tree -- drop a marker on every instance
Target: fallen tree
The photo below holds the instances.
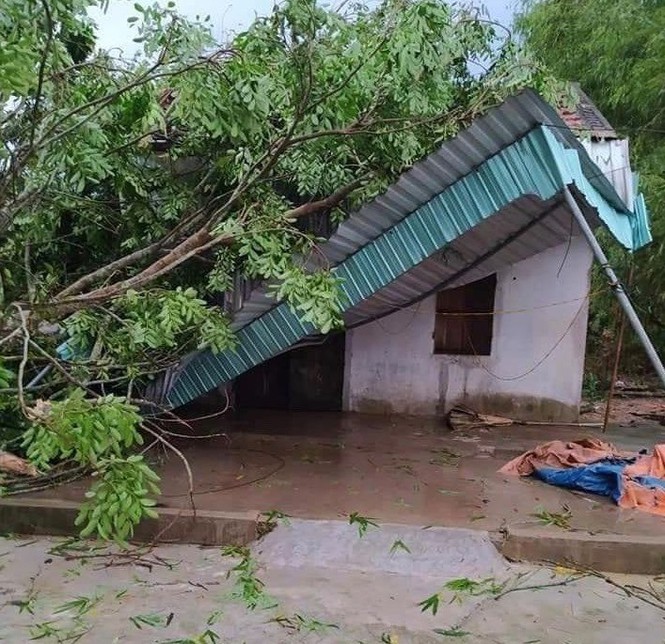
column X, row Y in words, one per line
column 134, row 190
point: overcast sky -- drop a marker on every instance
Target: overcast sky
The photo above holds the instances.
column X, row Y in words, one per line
column 226, row 16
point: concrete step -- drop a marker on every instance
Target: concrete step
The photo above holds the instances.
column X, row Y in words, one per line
column 444, row 553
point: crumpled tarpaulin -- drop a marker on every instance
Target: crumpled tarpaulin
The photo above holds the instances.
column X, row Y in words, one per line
column 632, row 480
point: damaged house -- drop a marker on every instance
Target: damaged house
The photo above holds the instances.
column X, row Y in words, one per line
column 467, row 282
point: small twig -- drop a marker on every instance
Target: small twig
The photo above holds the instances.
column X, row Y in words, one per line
column 161, row 409
column 653, row 599
column 24, row 360
column 181, row 456
column 12, row 335
column 565, row 582
column 62, row 370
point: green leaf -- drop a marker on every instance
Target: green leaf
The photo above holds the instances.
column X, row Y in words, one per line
column 398, row 544
column 154, row 620
column 431, row 604
column 451, row 632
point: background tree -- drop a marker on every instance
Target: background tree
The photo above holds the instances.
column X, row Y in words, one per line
column 133, row 191
column 616, row 50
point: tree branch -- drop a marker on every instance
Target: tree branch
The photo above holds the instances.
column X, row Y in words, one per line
column 327, row 203
column 106, row 271
column 42, row 68
column 199, row 242
column 24, row 361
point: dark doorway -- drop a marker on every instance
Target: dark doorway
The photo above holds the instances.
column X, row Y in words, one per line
column 265, row 386
column 310, row 378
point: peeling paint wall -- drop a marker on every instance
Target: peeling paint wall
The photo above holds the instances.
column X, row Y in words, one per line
column 534, row 371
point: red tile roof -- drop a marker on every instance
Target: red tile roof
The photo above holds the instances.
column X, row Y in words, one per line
column 585, row 118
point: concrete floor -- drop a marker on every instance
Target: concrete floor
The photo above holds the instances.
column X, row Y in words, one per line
column 361, row 588
column 399, row 469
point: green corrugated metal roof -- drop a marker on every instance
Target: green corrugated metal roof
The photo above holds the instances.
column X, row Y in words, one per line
column 537, row 164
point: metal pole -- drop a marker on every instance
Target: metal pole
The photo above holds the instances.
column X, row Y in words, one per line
column 616, row 286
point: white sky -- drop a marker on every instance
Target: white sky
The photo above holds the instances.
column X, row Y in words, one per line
column 226, row 16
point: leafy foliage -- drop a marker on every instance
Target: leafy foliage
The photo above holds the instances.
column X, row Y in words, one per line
column 206, row 637
column 136, row 194
column 616, row 50
column 300, row 623
column 248, row 587
column 151, row 325
column 79, row 606
column 153, row 620
column 82, row 429
column 98, row 434
column 430, row 603
column 557, row 519
column 398, row 544
column 456, row 631
column 460, row 588
column 119, row 499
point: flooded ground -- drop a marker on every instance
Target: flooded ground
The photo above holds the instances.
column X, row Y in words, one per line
column 397, row 469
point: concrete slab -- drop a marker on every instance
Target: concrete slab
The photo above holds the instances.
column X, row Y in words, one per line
column 452, row 552
column 588, row 612
column 188, row 590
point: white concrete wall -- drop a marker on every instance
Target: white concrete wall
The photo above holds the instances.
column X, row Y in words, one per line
column 613, row 159
column 390, row 364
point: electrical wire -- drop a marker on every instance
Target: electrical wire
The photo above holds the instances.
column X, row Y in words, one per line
column 568, row 245
column 406, row 326
column 281, row 463
column 539, row 362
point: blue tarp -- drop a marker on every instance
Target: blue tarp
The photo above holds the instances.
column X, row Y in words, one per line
column 603, row 477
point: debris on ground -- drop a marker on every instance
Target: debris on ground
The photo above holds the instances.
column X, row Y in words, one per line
column 335, row 587
column 637, row 391
column 462, row 417
column 12, row 464
column 632, row 480
column 658, row 417
column 557, row 519
column 625, row 410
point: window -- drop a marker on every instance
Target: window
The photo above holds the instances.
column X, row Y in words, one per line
column 459, row 334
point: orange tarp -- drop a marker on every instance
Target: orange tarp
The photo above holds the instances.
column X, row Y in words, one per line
column 559, row 454
column 564, row 455
column 634, row 495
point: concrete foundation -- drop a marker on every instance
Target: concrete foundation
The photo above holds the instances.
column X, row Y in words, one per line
column 53, row 516
column 192, row 594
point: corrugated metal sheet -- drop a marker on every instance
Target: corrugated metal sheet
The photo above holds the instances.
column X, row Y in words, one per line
column 472, row 179
column 500, row 127
column 640, row 224
column 499, row 241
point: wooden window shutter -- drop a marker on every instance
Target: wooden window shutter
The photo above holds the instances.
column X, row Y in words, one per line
column 465, row 319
